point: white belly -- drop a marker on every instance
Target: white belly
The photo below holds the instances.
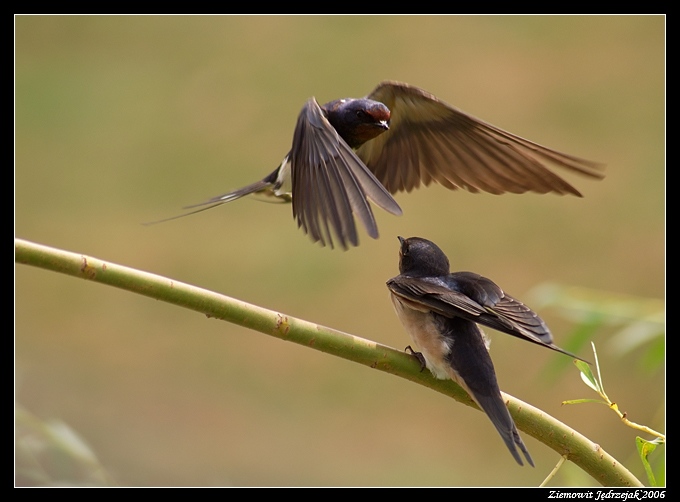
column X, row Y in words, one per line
column 426, row 338
column 284, row 185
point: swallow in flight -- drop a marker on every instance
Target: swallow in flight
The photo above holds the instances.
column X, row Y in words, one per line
column 441, row 311
column 350, row 151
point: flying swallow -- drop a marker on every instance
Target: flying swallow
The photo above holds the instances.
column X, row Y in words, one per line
column 350, row 151
column 441, row 311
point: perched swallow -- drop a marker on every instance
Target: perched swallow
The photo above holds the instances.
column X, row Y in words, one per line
column 399, row 136
column 440, row 310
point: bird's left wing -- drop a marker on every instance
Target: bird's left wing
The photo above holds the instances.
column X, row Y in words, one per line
column 330, row 183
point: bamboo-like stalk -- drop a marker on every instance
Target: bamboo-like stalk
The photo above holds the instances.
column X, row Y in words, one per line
column 567, row 442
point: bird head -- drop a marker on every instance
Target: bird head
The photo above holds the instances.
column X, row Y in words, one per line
column 358, row 120
column 420, row 257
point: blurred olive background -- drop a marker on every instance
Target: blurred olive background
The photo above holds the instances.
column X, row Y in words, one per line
column 123, row 119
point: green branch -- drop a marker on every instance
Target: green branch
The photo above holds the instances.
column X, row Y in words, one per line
column 565, row 441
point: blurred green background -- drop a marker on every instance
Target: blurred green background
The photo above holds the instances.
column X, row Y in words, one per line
column 123, row 119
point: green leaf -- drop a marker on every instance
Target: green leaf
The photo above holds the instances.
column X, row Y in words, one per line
column 644, row 449
column 587, row 376
column 579, row 401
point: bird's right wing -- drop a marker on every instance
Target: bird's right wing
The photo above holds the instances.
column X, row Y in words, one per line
column 477, row 299
column 430, row 140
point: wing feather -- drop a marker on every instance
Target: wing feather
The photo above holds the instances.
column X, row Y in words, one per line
column 431, row 140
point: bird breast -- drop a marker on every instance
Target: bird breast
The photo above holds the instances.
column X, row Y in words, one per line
column 422, row 328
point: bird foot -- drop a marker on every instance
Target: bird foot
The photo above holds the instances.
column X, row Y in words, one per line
column 417, row 355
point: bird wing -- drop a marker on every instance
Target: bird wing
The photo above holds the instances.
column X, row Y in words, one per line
column 477, row 299
column 430, row 140
column 330, row 183
column 473, row 370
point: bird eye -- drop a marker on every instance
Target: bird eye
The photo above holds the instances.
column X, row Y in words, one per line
column 362, row 114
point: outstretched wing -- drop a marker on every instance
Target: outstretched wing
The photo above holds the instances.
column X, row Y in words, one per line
column 430, row 140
